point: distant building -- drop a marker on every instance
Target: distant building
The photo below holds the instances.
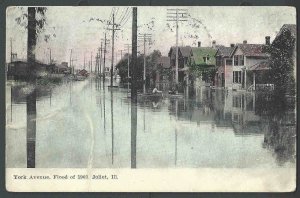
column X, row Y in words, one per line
column 19, row 69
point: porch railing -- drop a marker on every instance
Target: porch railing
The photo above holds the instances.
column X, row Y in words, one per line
column 261, row 87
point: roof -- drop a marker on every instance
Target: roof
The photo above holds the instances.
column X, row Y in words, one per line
column 224, row 51
column 200, row 52
column 251, row 49
column 164, row 61
column 264, row 65
column 61, row 66
column 185, row 51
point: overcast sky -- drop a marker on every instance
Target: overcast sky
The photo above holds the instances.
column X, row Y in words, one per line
column 73, row 29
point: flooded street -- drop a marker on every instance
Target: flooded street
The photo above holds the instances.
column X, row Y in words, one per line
column 81, row 124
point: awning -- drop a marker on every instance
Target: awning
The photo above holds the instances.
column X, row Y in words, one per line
column 260, row 66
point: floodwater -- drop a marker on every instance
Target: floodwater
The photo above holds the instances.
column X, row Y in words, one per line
column 80, row 124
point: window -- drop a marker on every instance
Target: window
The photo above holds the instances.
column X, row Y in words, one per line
column 241, row 60
column 229, row 62
column 204, row 59
column 237, row 77
column 207, row 58
column 218, row 60
column 238, row 60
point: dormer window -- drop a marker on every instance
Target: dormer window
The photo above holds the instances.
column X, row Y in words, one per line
column 206, row 58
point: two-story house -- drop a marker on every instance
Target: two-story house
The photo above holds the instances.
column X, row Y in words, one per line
column 204, row 59
column 223, row 77
column 184, row 59
column 244, row 56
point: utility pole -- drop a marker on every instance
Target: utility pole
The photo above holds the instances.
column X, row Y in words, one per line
column 71, row 62
column 50, row 60
column 104, row 58
column 112, row 48
column 145, row 37
column 176, row 15
column 134, row 89
column 128, row 56
column 11, row 51
column 100, row 58
column 91, row 62
column 84, row 61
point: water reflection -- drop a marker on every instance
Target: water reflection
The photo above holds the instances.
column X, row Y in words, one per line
column 209, row 128
column 31, row 127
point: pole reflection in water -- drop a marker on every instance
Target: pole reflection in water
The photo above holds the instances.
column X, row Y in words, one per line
column 133, row 134
column 104, row 120
column 176, row 120
column 50, row 95
column 70, row 86
column 144, row 118
column 31, row 128
column 11, row 101
column 112, row 126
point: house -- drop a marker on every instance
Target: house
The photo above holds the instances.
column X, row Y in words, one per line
column 83, row 72
column 244, row 56
column 184, row 60
column 223, row 61
column 19, row 69
column 203, row 60
column 163, row 73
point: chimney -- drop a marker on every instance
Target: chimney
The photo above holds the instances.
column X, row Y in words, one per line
column 213, row 44
column 231, row 45
column 199, row 43
column 268, row 40
column 245, row 42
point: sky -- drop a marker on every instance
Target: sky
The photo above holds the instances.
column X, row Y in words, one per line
column 81, row 29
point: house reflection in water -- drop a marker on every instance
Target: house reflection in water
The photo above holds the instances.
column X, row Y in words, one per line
column 248, row 114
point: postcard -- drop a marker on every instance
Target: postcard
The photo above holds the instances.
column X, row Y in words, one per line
column 150, row 99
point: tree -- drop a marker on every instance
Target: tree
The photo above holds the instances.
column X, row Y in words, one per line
column 281, row 63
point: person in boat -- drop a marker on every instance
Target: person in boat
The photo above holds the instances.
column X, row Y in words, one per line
column 155, row 90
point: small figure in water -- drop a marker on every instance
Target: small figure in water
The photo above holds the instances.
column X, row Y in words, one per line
column 155, row 90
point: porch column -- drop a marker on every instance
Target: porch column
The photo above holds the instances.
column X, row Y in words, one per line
column 254, row 85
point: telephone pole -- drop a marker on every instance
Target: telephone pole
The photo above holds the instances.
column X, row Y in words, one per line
column 128, row 56
column 176, row 15
column 50, row 60
column 71, row 62
column 112, row 47
column 91, row 62
column 11, row 51
column 145, row 37
column 104, row 58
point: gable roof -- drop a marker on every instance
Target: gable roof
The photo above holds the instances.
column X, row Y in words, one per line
column 251, row 50
column 164, row 61
column 184, row 51
column 224, row 51
column 200, row 52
